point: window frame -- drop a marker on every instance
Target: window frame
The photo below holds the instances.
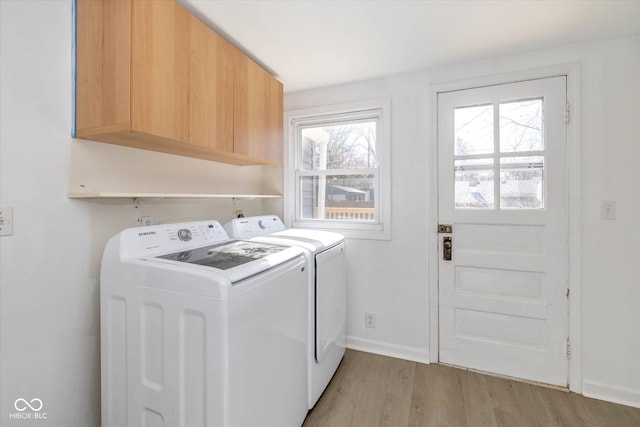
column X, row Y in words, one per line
column 295, row 121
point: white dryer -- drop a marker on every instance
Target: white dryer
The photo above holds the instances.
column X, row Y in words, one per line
column 200, row 330
column 327, row 304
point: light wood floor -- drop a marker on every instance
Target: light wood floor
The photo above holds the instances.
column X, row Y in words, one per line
column 370, row 390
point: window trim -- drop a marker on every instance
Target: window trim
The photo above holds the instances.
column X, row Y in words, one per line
column 381, row 230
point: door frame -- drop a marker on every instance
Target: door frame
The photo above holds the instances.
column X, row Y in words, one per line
column 572, row 73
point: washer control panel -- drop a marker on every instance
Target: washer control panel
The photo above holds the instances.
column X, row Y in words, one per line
column 185, row 234
column 165, row 238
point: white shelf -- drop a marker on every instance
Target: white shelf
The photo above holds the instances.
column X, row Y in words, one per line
column 108, row 195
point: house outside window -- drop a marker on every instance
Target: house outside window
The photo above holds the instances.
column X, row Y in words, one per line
column 338, row 169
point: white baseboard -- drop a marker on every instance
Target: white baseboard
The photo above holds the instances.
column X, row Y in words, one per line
column 610, row 393
column 420, row 355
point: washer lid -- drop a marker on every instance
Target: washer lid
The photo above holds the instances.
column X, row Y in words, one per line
column 226, row 255
column 235, row 260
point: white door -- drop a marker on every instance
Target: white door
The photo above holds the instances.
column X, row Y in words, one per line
column 502, row 165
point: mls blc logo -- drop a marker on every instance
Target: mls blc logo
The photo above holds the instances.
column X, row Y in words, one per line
column 22, row 405
column 28, row 410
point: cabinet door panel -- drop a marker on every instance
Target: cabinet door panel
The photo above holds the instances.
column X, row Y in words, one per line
column 274, row 121
column 211, row 89
column 160, row 71
column 257, row 111
column 103, row 60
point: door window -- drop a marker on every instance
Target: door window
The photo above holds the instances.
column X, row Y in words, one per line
column 499, row 155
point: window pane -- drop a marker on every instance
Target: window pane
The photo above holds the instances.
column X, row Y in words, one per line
column 338, row 197
column 521, row 182
column 473, row 130
column 474, row 186
column 521, row 126
column 343, row 146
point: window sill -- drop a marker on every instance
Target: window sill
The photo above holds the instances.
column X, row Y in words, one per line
column 348, row 230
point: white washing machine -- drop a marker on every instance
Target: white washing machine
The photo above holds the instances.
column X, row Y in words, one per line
column 200, row 330
column 327, row 304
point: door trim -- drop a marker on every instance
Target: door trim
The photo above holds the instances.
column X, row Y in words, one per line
column 572, row 73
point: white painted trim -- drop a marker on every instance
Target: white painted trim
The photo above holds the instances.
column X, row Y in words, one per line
column 434, row 306
column 505, row 78
column 414, row 354
column 572, row 71
column 610, row 393
column 289, row 154
column 575, row 226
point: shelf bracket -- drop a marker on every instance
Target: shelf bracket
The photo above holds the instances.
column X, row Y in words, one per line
column 138, row 210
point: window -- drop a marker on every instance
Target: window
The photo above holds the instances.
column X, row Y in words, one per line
column 499, row 155
column 338, row 164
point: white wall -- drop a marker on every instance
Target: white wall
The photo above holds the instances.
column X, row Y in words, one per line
column 49, row 331
column 49, row 268
column 395, row 282
column 389, row 278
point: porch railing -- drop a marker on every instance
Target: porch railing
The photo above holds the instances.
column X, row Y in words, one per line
column 349, row 214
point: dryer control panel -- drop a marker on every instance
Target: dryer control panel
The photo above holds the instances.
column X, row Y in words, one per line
column 254, row 226
column 141, row 242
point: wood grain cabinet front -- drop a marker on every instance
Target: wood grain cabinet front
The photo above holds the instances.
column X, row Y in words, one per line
column 150, row 75
column 258, row 112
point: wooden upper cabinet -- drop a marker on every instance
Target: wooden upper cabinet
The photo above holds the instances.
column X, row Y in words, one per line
column 103, row 66
column 150, row 75
column 258, row 111
column 160, row 69
column 211, row 82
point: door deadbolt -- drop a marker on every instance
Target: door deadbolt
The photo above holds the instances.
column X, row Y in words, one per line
column 445, row 228
column 447, row 248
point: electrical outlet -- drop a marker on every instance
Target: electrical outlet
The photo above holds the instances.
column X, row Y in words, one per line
column 608, row 210
column 370, row 320
column 6, row 220
column 146, row 220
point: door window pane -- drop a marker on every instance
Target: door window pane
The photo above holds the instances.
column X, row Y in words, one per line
column 474, row 183
column 521, row 177
column 521, row 182
column 473, row 130
column 343, row 146
column 338, row 197
column 521, row 126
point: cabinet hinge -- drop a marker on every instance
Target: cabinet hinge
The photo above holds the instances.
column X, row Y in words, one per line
column 568, row 349
column 567, row 113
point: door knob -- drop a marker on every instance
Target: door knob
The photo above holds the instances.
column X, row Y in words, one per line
column 447, row 248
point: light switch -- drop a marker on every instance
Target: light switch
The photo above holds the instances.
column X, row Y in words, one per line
column 6, row 220
column 608, row 210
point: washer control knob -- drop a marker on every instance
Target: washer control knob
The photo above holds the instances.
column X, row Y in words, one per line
column 184, row 234
column 262, row 224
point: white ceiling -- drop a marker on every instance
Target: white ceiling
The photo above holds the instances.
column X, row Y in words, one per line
column 313, row 43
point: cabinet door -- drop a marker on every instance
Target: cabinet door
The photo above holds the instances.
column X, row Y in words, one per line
column 274, row 120
column 102, row 67
column 160, row 52
column 257, row 112
column 211, row 89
